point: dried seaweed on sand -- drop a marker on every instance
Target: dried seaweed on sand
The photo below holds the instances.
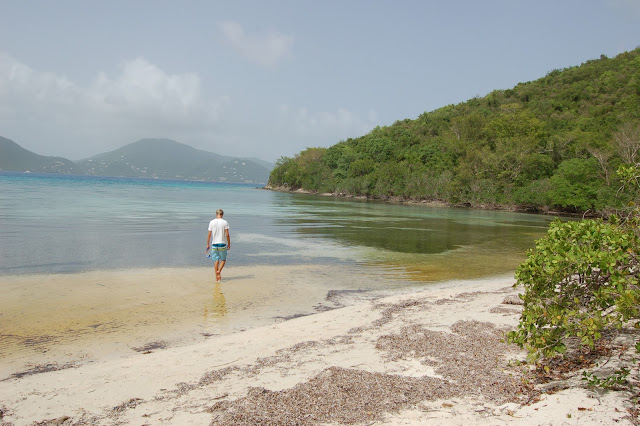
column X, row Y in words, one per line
column 467, row 360
column 336, row 395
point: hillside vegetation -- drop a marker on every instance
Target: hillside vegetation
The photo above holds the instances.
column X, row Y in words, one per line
column 551, row 143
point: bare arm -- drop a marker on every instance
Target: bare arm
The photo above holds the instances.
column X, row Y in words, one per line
column 226, row 231
column 208, row 241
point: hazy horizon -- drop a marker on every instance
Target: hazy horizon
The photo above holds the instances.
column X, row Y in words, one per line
column 273, row 78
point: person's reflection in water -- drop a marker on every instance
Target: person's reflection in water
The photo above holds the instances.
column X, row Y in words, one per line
column 217, row 308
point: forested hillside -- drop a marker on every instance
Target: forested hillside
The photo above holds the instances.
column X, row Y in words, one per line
column 551, row 143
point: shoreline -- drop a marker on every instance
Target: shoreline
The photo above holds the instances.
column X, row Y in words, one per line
column 430, row 355
column 73, row 319
column 436, row 203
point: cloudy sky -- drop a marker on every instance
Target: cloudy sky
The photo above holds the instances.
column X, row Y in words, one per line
column 269, row 78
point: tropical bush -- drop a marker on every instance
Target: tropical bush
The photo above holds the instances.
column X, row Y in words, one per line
column 581, row 281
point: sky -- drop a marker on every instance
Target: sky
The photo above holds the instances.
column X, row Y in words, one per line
column 270, row 78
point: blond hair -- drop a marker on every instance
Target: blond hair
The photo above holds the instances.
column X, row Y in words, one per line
column 219, row 212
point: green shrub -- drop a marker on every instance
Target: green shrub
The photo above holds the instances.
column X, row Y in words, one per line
column 581, row 279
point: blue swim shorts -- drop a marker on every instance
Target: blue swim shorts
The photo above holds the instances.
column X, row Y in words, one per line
column 218, row 252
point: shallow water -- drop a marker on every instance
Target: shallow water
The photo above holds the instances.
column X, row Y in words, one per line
column 93, row 267
column 67, row 224
column 74, row 318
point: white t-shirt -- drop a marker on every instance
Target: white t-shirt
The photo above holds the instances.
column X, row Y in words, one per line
column 217, row 227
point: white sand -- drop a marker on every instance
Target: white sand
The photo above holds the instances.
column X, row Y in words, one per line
column 166, row 386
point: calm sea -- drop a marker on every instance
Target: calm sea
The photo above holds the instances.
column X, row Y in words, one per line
column 66, row 224
column 100, row 267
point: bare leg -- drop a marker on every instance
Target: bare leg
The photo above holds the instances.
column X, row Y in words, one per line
column 219, row 271
column 215, row 265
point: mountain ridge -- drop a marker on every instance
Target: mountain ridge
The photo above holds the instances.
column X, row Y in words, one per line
column 13, row 157
column 157, row 158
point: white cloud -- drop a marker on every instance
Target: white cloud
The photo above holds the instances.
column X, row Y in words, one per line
column 17, row 78
column 265, row 49
column 144, row 89
column 52, row 115
column 141, row 100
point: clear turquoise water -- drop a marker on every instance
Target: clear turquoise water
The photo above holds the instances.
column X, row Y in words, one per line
column 62, row 224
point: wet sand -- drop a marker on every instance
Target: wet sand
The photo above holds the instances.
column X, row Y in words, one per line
column 67, row 319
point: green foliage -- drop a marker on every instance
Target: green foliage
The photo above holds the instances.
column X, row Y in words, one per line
column 616, row 380
column 380, row 149
column 286, row 173
column 630, row 179
column 575, row 184
column 361, row 167
column 551, row 143
column 581, row 279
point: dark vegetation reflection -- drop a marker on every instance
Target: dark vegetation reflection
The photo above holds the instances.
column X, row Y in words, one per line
column 411, row 229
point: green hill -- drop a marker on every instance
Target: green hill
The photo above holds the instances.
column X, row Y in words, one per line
column 15, row 158
column 553, row 143
column 168, row 159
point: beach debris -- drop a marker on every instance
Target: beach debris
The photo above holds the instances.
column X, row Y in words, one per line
column 512, row 299
column 340, row 340
column 466, row 296
column 324, row 308
column 54, row 422
column 217, row 375
column 159, row 344
column 38, row 340
column 388, row 313
column 335, row 395
column 504, row 310
column 183, row 388
column 301, row 346
column 470, row 358
column 41, row 368
column 468, row 361
column 131, row 403
column 345, row 297
column 290, row 317
column 224, row 395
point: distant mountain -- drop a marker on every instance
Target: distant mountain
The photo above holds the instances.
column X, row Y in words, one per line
column 147, row 158
column 13, row 157
column 168, row 159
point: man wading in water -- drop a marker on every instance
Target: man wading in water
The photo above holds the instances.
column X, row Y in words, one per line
column 219, row 228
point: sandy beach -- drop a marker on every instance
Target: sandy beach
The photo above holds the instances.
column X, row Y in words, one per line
column 72, row 319
column 432, row 356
